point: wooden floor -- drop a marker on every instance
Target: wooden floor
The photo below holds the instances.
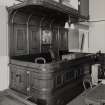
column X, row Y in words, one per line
column 79, row 100
column 6, row 99
column 9, row 97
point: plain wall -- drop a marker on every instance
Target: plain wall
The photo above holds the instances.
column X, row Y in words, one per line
column 4, row 49
column 4, row 59
column 97, row 29
column 8, row 2
column 74, row 4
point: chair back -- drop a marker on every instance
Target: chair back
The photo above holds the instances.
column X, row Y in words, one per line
column 87, row 84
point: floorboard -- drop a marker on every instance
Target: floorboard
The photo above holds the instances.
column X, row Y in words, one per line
column 79, row 100
column 7, row 99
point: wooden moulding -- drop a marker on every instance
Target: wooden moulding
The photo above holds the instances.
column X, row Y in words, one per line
column 51, row 4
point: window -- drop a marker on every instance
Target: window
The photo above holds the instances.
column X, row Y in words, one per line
column 46, row 36
column 83, row 40
column 78, row 40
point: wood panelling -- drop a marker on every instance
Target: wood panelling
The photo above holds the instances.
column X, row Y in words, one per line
column 63, row 37
column 20, row 39
column 34, row 39
column 55, row 42
column 29, row 30
column 48, row 82
column 18, row 79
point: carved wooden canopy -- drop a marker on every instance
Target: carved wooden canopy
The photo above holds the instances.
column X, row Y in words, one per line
column 46, row 7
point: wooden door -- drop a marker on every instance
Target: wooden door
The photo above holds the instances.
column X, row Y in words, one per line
column 34, row 40
column 20, row 36
column 18, row 79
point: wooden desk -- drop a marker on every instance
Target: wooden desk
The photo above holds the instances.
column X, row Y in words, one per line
column 96, row 95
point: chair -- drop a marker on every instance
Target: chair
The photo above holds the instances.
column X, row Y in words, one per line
column 87, row 84
column 40, row 60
